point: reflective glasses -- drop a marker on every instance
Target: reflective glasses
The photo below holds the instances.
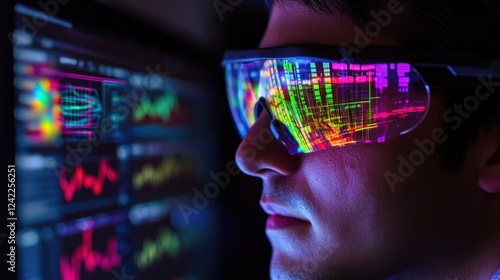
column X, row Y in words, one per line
column 319, row 97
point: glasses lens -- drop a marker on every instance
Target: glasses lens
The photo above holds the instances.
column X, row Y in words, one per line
column 243, row 82
column 329, row 104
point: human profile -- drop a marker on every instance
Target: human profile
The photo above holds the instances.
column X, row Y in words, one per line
column 375, row 128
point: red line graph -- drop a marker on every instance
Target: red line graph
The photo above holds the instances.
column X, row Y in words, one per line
column 91, row 260
column 87, row 181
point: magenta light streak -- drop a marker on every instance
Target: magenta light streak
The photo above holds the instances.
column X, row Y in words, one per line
column 82, row 77
column 384, row 115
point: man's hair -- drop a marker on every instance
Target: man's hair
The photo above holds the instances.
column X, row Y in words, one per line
column 468, row 26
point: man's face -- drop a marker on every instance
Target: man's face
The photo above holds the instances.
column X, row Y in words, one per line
column 333, row 213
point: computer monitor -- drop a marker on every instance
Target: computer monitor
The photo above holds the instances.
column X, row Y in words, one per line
column 111, row 136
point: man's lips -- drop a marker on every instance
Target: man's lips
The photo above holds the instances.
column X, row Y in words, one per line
column 277, row 221
column 281, row 217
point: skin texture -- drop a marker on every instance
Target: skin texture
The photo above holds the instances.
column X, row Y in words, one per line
column 435, row 225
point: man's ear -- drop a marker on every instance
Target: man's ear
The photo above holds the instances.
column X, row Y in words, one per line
column 489, row 177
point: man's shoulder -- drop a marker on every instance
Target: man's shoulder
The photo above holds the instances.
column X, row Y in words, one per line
column 496, row 276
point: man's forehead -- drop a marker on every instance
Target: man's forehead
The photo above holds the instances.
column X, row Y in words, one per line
column 292, row 23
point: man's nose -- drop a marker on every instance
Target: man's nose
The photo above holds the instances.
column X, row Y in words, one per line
column 260, row 154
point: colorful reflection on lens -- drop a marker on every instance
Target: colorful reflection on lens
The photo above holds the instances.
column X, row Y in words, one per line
column 330, row 104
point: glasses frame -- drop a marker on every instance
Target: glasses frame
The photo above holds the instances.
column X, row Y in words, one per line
column 439, row 69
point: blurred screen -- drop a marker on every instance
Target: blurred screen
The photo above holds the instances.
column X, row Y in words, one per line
column 108, row 144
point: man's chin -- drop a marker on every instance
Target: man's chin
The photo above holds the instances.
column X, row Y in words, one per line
column 296, row 260
column 284, row 266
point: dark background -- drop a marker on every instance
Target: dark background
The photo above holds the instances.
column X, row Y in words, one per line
column 192, row 27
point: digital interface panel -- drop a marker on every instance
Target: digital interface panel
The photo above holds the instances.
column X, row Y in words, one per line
column 106, row 149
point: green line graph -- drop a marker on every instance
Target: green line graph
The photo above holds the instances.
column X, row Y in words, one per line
column 161, row 107
column 152, row 251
